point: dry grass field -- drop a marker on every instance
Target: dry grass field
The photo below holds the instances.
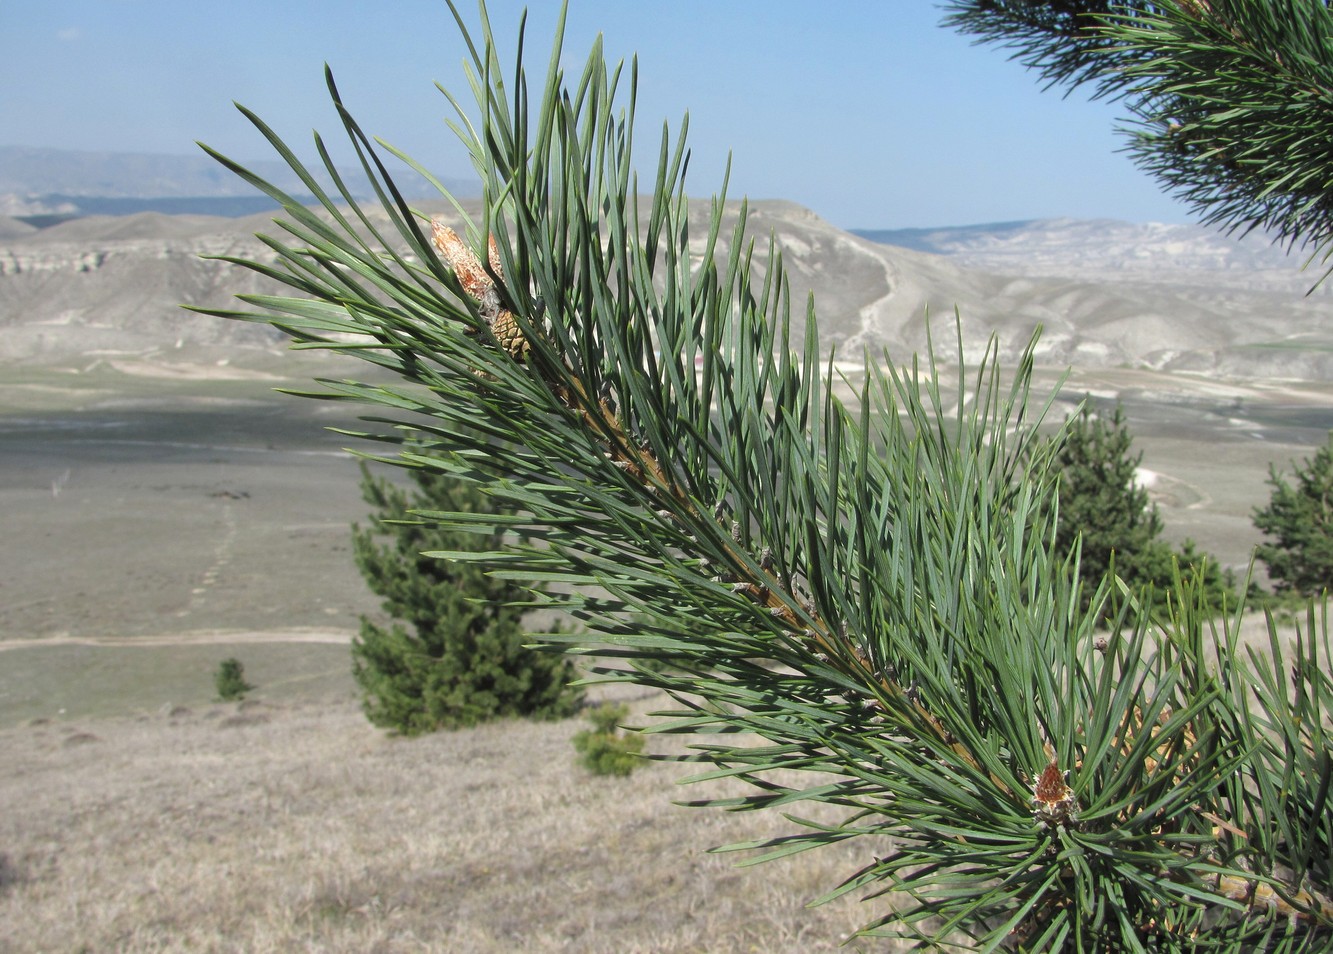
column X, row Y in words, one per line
column 274, row 827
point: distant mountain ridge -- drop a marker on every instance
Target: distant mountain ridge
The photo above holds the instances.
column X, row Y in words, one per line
column 46, row 185
column 1112, row 250
column 942, row 240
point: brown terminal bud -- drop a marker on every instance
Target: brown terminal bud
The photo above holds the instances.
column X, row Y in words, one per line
column 467, row 269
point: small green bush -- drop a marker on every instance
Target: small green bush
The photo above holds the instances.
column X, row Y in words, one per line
column 229, row 678
column 605, row 749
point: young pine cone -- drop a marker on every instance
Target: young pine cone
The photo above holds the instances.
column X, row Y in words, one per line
column 510, row 336
column 480, row 287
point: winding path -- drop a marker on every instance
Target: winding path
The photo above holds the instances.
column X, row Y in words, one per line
column 202, row 637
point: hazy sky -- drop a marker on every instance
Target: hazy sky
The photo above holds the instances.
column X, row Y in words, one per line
column 867, row 111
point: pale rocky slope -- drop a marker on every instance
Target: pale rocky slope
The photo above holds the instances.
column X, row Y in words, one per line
column 101, row 285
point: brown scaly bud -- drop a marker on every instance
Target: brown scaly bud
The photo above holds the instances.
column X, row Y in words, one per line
column 1053, row 802
column 468, row 269
column 480, row 287
column 510, row 335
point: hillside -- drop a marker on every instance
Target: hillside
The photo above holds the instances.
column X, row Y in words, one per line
column 112, row 284
column 274, row 826
column 1113, row 251
column 168, row 522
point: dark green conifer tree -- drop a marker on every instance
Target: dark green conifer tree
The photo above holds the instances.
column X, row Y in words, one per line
column 456, row 653
column 1101, row 501
column 1106, row 511
column 1299, row 519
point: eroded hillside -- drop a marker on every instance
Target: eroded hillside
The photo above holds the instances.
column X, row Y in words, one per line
column 113, row 286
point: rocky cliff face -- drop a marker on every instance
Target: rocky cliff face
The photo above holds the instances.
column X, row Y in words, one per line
column 91, row 288
column 114, row 285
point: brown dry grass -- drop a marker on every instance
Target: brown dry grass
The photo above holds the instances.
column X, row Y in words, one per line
column 264, row 827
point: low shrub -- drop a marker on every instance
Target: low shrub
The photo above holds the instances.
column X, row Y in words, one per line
column 229, row 678
column 606, row 749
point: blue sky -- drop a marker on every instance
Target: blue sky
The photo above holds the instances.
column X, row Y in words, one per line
column 866, row 111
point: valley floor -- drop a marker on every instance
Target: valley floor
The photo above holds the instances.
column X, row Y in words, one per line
column 275, row 827
column 161, row 531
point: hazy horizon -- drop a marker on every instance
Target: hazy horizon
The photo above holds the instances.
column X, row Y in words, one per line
column 872, row 115
column 205, row 188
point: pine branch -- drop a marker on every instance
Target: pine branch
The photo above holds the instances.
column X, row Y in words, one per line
column 854, row 605
column 757, row 582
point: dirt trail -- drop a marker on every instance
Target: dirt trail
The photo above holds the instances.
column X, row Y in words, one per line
column 202, row 637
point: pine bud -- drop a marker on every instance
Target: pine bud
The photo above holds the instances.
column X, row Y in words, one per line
column 468, row 269
column 478, row 285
